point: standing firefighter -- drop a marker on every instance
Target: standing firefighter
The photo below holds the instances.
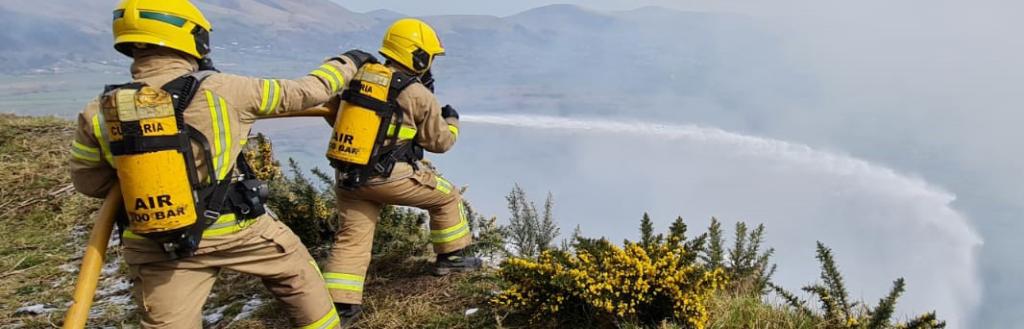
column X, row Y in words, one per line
column 171, row 139
column 387, row 118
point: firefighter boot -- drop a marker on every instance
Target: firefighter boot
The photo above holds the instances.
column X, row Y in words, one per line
column 349, row 313
column 456, row 261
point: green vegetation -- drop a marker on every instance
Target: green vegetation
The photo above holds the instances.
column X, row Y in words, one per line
column 42, row 220
column 663, row 280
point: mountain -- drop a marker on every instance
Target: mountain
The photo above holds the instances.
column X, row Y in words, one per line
column 67, row 33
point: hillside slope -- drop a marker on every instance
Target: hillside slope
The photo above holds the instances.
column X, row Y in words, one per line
column 45, row 225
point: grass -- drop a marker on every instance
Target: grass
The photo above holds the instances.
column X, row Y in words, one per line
column 38, row 213
column 745, row 312
column 402, row 294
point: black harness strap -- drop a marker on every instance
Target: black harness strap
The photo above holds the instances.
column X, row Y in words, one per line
column 383, row 160
column 183, row 90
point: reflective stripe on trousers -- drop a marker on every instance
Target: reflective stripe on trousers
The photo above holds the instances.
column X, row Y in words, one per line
column 346, row 282
column 328, row 321
column 453, row 233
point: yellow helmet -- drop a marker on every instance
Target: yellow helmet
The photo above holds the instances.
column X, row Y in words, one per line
column 175, row 24
column 412, row 43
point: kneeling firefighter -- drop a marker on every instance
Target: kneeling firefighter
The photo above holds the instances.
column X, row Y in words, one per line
column 172, row 140
column 386, row 119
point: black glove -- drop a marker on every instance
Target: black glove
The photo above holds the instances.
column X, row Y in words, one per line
column 427, row 79
column 449, row 112
column 360, row 57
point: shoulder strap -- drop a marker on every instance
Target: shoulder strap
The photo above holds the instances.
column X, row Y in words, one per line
column 400, row 81
column 185, row 87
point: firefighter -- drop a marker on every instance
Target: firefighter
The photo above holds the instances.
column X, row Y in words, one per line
column 172, row 140
column 386, row 119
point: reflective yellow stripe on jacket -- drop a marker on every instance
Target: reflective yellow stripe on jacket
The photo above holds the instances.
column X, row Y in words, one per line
column 443, row 185
column 404, row 133
column 332, row 75
column 346, row 282
column 219, row 116
column 454, row 130
column 99, row 130
column 271, row 97
column 453, row 233
column 226, row 224
column 82, row 152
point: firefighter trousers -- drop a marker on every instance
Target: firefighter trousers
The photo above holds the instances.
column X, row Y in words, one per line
column 171, row 293
column 359, row 209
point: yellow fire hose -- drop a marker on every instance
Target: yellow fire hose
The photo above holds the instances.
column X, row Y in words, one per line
column 92, row 261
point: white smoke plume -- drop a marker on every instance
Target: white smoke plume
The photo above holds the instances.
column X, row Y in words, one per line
column 605, row 173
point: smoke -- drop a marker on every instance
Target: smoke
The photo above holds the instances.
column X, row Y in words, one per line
column 605, row 173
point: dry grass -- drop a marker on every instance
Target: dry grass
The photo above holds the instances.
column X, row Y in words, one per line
column 745, row 312
column 41, row 219
column 402, row 294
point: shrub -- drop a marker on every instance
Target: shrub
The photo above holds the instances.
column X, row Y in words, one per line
column 400, row 232
column 601, row 284
column 488, row 237
column 748, row 268
column 528, row 232
column 838, row 312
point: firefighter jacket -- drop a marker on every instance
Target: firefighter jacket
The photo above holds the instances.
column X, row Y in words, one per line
column 223, row 110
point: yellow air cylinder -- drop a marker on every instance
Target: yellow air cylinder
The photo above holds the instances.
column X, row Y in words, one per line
column 155, row 185
column 357, row 127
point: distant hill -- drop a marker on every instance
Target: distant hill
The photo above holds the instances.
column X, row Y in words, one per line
column 44, row 34
column 41, row 35
column 558, row 59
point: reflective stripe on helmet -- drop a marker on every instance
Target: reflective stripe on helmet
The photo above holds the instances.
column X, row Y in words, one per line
column 169, row 19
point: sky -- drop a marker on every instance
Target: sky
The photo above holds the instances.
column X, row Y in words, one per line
column 505, row 8
column 497, row 8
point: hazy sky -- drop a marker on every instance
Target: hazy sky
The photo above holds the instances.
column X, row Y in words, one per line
column 502, row 8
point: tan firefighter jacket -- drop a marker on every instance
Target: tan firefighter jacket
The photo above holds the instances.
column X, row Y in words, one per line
column 422, row 123
column 223, row 109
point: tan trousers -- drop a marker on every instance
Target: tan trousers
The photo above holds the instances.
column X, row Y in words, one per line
column 359, row 210
column 171, row 294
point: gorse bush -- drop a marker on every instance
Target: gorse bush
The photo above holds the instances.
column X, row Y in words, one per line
column 837, row 311
column 488, row 236
column 599, row 284
column 529, row 233
column 307, row 205
column 747, row 266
